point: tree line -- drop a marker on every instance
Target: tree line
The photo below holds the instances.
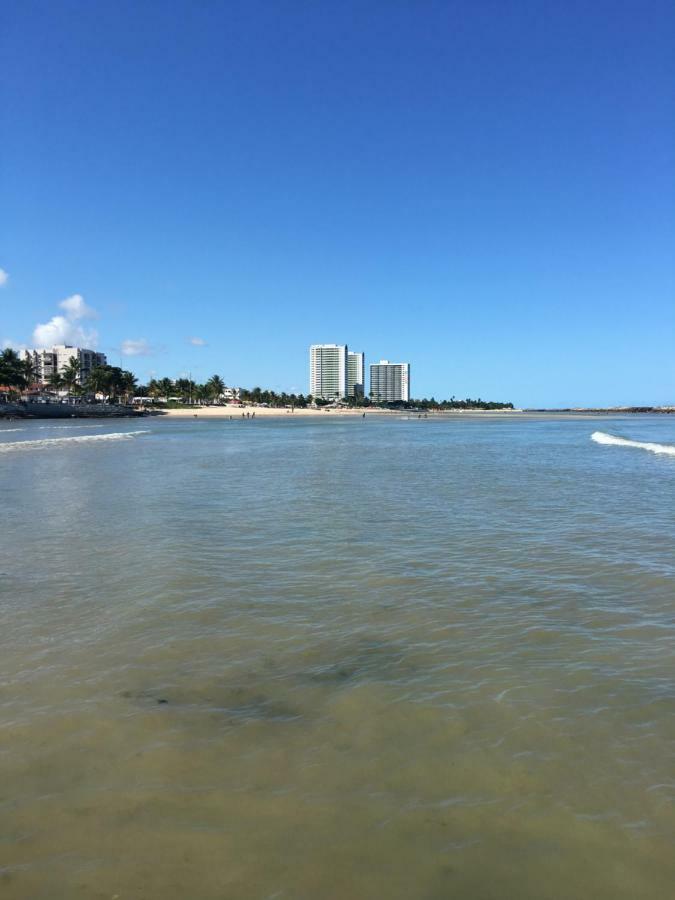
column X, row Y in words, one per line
column 185, row 390
column 453, row 403
column 120, row 385
column 18, row 374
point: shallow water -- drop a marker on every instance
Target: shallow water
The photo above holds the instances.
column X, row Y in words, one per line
column 338, row 659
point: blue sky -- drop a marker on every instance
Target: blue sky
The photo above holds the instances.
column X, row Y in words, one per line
column 483, row 189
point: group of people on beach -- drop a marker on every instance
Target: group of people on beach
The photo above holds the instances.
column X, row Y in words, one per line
column 244, row 415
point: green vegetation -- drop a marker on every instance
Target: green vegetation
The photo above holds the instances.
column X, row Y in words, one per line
column 70, row 376
column 427, row 405
column 271, row 398
column 119, row 385
column 452, row 403
column 115, row 383
column 15, row 373
column 184, row 391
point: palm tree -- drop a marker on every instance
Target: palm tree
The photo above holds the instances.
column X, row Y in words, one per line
column 164, row 387
column 29, row 370
column 215, row 386
column 71, row 375
column 115, row 383
column 12, row 369
column 55, row 380
column 98, row 381
column 202, row 392
column 185, row 388
column 128, row 383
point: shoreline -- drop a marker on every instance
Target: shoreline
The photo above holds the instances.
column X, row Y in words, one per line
column 249, row 411
column 225, row 412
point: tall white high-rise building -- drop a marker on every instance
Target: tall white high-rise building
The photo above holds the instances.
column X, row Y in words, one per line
column 389, row 382
column 47, row 362
column 356, row 368
column 328, row 371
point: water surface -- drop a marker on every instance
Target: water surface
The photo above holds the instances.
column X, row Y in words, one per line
column 391, row 658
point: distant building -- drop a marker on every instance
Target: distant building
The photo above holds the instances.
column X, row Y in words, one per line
column 356, row 366
column 55, row 359
column 328, row 371
column 389, row 382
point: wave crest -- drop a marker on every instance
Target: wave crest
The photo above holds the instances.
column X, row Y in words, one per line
column 44, row 443
column 600, row 437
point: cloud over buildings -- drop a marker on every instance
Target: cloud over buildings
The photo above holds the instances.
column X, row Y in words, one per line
column 197, row 342
column 4, row 277
column 67, row 328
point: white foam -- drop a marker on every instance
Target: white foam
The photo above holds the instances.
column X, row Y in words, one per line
column 7, row 430
column 601, row 438
column 44, row 443
column 70, row 425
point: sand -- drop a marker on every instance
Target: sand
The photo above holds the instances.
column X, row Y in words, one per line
column 224, row 412
column 220, row 412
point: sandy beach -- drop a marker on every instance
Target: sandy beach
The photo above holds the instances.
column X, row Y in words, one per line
column 224, row 412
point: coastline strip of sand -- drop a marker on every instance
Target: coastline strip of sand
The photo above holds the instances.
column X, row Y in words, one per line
column 224, row 412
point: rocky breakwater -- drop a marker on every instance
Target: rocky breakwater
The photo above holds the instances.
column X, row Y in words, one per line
column 67, row 411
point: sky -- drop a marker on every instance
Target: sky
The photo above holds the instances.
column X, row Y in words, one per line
column 483, row 189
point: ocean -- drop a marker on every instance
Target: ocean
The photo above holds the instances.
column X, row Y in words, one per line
column 338, row 659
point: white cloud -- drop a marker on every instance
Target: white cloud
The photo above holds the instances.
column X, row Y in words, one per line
column 76, row 308
column 60, row 330
column 64, row 329
column 4, row 277
column 136, row 347
column 197, row 342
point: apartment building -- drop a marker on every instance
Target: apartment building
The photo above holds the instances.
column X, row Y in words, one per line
column 389, row 382
column 328, row 371
column 356, row 367
column 48, row 361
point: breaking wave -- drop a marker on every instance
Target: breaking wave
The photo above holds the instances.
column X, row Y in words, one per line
column 7, row 430
column 44, row 443
column 601, row 438
column 70, row 425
